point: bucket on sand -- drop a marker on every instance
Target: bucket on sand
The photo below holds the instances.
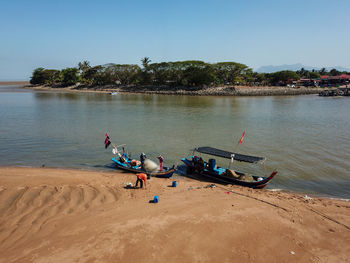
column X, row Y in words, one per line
column 174, row 184
column 156, row 199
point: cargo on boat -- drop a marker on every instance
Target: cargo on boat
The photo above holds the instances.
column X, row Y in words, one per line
column 209, row 169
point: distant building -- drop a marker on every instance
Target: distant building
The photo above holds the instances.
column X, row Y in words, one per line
column 342, row 79
column 309, row 82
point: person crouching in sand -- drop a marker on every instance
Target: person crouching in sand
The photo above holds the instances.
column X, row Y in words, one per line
column 142, row 178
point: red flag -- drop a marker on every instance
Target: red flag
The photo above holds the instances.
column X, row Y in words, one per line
column 241, row 140
column 107, row 141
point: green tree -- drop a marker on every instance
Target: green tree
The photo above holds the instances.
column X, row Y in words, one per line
column 69, row 76
column 283, row 76
column 248, row 77
column 314, row 75
column 334, row 72
column 90, row 76
column 303, row 73
column 83, row 69
column 228, row 72
column 144, row 74
column 122, row 73
column 52, row 76
column 198, row 76
column 45, row 76
column 38, row 76
column 323, row 71
column 260, row 78
column 84, row 66
column 145, row 62
column 160, row 72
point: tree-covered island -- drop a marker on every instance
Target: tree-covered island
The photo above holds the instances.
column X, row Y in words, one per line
column 190, row 75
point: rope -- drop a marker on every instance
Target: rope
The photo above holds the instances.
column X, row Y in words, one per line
column 311, row 209
column 277, row 206
column 329, row 218
column 252, row 197
column 248, row 196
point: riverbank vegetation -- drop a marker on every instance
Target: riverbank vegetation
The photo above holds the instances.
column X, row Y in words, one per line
column 191, row 73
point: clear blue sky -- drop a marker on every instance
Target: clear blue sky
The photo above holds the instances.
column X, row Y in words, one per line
column 58, row 34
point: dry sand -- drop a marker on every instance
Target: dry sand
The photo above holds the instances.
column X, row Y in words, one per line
column 56, row 215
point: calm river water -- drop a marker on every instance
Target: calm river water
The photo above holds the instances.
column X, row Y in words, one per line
column 306, row 138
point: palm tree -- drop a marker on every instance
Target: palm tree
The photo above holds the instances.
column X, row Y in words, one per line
column 145, row 62
column 323, row 71
column 84, row 66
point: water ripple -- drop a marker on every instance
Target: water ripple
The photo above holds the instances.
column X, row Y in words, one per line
column 304, row 137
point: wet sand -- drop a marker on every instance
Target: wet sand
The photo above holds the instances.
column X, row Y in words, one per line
column 57, row 215
column 14, row 83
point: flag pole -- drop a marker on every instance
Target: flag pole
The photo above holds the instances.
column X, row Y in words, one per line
column 115, row 147
column 232, row 155
column 239, row 142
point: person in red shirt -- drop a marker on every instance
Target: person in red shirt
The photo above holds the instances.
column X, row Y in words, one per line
column 142, row 178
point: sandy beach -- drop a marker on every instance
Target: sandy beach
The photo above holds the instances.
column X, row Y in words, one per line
column 14, row 83
column 57, row 215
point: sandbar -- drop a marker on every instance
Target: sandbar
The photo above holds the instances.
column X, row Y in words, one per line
column 62, row 215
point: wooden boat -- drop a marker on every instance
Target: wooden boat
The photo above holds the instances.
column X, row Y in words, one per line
column 127, row 164
column 209, row 170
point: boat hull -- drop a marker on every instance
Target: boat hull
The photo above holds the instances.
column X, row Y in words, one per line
column 224, row 179
column 126, row 166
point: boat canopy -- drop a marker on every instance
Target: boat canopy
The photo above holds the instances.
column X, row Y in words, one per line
column 228, row 155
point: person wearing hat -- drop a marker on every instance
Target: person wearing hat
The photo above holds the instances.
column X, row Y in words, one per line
column 161, row 161
column 142, row 158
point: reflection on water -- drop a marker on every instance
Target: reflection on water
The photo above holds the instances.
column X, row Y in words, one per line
column 306, row 138
column 73, row 96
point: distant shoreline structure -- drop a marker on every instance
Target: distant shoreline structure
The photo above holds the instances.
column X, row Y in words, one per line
column 170, row 90
column 191, row 91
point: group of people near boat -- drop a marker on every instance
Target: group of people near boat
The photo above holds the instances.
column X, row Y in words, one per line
column 194, row 164
column 160, row 158
column 142, row 177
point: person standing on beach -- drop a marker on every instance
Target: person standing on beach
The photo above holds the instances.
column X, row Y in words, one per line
column 161, row 161
column 142, row 159
column 142, row 178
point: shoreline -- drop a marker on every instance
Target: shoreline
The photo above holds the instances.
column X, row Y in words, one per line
column 9, row 83
column 86, row 169
column 188, row 91
column 67, row 215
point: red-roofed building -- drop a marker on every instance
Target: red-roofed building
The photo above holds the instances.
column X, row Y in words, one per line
column 344, row 76
column 308, row 82
column 342, row 79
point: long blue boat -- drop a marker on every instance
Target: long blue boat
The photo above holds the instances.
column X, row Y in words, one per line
column 209, row 170
column 126, row 164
